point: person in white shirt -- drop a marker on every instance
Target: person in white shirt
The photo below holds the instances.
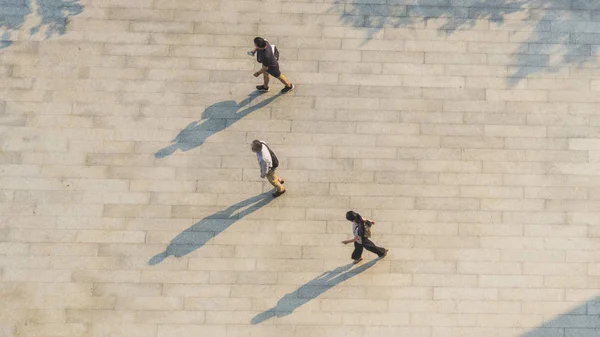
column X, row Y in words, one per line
column 268, row 162
column 359, row 239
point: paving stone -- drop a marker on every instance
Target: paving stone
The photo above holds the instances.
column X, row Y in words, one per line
column 466, row 129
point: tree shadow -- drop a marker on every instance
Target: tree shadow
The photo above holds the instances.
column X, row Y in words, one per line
column 558, row 36
column 201, row 232
column 53, row 17
column 581, row 321
column 215, row 118
column 311, row 290
column 554, row 43
column 373, row 16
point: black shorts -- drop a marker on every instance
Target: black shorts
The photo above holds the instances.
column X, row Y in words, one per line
column 274, row 71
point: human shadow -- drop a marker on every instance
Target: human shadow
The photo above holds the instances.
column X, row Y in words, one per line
column 201, row 232
column 583, row 320
column 311, row 290
column 560, row 34
column 215, row 118
column 52, row 15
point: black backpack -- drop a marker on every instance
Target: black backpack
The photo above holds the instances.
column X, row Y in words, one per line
column 273, row 157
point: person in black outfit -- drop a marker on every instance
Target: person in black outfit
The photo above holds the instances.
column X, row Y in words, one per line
column 360, row 241
column 265, row 54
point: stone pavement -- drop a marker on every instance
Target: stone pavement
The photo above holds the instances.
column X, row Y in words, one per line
column 131, row 205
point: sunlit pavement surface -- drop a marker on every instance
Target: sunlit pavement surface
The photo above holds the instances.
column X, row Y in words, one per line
column 132, row 206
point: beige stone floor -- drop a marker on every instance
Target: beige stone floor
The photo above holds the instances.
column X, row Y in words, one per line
column 131, row 205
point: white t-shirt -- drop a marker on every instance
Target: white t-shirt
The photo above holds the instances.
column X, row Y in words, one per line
column 355, row 231
column 264, row 159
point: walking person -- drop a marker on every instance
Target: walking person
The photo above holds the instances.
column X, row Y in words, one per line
column 268, row 56
column 361, row 231
column 268, row 162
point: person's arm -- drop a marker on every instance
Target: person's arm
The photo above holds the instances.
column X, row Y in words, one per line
column 355, row 239
column 261, row 71
column 264, row 167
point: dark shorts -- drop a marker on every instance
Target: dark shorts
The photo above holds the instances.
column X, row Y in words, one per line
column 274, row 71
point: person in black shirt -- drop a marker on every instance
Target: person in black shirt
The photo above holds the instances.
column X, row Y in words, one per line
column 265, row 54
column 360, row 240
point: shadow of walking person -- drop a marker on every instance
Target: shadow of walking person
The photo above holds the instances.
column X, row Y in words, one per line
column 311, row 290
column 215, row 118
column 201, row 232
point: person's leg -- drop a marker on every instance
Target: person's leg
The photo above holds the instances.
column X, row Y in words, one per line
column 357, row 253
column 275, row 72
column 370, row 246
column 284, row 80
column 266, row 79
column 275, row 180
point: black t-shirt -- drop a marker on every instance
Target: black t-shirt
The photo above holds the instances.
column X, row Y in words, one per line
column 266, row 57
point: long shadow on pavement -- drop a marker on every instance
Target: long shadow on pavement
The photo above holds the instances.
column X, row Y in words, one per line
column 311, row 290
column 215, row 118
column 201, row 232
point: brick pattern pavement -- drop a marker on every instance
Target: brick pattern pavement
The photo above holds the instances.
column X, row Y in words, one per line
column 131, row 205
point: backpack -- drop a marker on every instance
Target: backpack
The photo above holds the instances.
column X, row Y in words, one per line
column 273, row 157
column 364, row 228
column 367, row 228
